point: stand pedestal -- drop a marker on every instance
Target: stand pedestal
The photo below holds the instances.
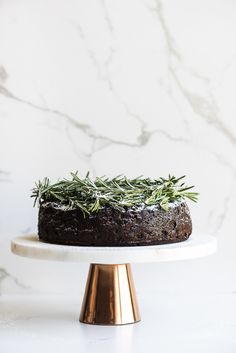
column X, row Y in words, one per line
column 109, row 297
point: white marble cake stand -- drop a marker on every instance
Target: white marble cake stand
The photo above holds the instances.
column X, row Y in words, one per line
column 109, row 297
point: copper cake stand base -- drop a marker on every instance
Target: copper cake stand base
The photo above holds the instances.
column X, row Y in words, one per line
column 109, row 297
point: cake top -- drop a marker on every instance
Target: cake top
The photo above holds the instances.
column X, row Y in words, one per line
column 120, row 192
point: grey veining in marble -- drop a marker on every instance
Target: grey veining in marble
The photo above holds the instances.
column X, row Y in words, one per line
column 135, row 87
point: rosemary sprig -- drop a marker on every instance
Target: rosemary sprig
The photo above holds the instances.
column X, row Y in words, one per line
column 120, row 192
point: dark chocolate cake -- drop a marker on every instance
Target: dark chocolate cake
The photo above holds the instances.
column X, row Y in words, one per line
column 110, row 227
column 116, row 212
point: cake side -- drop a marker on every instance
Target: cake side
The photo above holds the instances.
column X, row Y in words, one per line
column 137, row 225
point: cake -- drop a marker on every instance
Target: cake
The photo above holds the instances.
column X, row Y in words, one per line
column 113, row 212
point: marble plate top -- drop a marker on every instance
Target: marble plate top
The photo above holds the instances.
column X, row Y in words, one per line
column 198, row 245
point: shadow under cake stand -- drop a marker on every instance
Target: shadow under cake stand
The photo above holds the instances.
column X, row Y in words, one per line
column 109, row 297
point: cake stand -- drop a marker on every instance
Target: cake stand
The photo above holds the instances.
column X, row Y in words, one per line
column 109, row 297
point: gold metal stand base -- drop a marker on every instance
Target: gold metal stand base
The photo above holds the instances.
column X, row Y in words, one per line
column 109, row 297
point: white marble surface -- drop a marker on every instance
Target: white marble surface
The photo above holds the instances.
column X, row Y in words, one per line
column 179, row 322
column 130, row 86
column 198, row 245
column 135, row 87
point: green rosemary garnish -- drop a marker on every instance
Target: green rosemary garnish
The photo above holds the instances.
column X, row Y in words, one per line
column 120, row 192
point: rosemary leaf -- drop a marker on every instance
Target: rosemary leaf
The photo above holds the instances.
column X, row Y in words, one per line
column 120, row 192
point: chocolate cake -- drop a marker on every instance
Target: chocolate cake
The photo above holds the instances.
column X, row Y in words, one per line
column 110, row 227
column 156, row 213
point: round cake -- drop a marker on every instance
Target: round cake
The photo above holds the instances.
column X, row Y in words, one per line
column 148, row 225
column 115, row 212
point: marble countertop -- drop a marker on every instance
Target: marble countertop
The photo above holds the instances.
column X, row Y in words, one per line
column 134, row 87
column 171, row 323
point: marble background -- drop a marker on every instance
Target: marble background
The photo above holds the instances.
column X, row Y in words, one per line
column 135, row 87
